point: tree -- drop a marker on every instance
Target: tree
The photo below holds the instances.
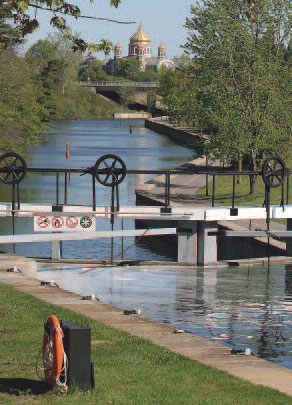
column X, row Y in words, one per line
column 59, row 50
column 12, row 37
column 244, row 91
column 20, row 112
column 41, row 52
column 181, row 61
column 179, row 91
column 91, row 68
column 129, row 68
column 25, row 23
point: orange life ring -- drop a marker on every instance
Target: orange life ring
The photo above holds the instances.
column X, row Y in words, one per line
column 53, row 351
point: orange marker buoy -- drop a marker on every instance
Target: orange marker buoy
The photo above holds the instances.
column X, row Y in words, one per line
column 67, row 151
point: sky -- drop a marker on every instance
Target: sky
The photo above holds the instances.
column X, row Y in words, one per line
column 162, row 20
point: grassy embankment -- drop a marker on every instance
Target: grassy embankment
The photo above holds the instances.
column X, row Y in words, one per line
column 82, row 102
column 128, row 370
column 223, row 192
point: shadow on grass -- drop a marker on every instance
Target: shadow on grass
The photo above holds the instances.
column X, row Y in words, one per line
column 20, row 386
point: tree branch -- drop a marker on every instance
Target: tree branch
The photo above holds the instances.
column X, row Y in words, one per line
column 82, row 16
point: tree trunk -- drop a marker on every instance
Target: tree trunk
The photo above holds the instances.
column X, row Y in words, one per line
column 253, row 177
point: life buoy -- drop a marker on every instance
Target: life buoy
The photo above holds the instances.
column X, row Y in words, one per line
column 53, row 351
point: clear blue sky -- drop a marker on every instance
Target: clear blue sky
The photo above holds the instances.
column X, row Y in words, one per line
column 162, row 20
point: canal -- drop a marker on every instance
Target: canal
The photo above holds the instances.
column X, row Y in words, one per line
column 240, row 307
column 140, row 148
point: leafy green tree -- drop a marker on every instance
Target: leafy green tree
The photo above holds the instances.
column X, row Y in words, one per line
column 181, row 61
column 7, row 33
column 91, row 68
column 59, row 50
column 129, row 68
column 20, row 112
column 41, row 52
column 244, row 92
column 26, row 23
column 147, row 76
column 179, row 91
column 51, row 82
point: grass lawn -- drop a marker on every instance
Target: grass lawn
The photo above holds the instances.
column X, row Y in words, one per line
column 128, row 370
column 223, row 193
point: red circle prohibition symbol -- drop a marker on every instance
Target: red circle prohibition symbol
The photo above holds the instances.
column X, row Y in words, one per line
column 43, row 222
column 57, row 222
column 71, row 222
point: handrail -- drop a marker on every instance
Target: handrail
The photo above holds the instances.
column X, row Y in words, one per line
column 165, row 179
column 118, row 84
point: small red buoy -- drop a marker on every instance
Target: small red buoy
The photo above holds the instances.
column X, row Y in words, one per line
column 67, row 151
column 78, row 118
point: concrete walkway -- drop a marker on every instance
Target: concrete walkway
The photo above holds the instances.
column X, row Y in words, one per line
column 183, row 191
column 252, row 369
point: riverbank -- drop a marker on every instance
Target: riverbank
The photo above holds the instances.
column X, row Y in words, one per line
column 128, row 368
column 81, row 102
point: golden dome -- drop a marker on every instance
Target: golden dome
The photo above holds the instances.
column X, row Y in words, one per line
column 140, row 37
column 162, row 46
column 118, row 46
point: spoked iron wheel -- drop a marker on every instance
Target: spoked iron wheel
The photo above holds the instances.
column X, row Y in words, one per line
column 274, row 172
column 12, row 168
column 110, row 170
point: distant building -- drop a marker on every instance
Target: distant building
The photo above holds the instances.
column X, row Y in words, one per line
column 140, row 48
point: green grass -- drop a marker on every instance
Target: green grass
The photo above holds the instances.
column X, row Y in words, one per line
column 82, row 102
column 223, row 193
column 128, row 370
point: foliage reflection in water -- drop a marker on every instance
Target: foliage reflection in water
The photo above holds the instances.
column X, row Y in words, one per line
column 240, row 307
column 89, row 140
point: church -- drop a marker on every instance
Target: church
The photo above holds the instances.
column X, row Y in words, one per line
column 140, row 48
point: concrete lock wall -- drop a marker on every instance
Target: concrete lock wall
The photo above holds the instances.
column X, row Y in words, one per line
column 222, row 249
column 178, row 134
column 130, row 116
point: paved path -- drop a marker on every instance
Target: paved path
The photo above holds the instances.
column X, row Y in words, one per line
column 253, row 369
column 183, row 191
column 183, row 187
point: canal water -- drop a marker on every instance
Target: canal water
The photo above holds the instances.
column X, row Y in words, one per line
column 241, row 307
column 140, row 149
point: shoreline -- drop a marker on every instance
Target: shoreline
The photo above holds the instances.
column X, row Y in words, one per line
column 253, row 369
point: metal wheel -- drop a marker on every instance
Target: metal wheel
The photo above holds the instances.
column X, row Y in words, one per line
column 274, row 172
column 12, row 168
column 109, row 170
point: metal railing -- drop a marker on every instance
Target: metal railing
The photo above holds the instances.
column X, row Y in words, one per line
column 166, row 183
column 118, row 84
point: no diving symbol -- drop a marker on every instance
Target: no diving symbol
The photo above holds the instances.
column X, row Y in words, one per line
column 57, row 222
column 71, row 222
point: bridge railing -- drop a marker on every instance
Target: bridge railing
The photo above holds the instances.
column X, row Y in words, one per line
column 118, row 84
column 164, row 181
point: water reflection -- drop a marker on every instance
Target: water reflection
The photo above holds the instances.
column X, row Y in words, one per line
column 89, row 140
column 240, row 307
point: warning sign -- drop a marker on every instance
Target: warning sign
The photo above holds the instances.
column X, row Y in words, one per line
column 72, row 222
column 63, row 223
column 43, row 222
column 57, row 222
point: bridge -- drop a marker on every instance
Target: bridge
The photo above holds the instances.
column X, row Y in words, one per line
column 195, row 226
column 114, row 86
